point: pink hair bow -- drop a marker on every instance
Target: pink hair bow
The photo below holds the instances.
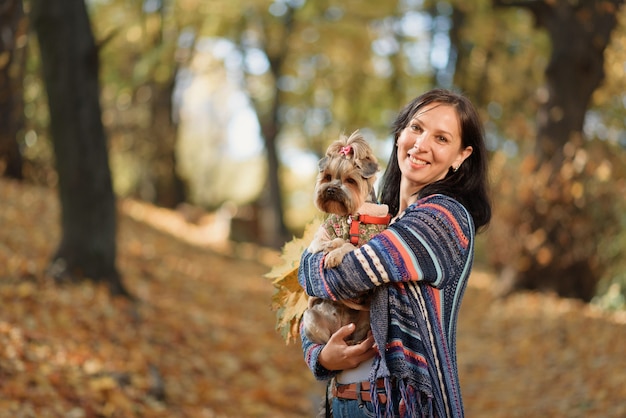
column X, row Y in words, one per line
column 347, row 150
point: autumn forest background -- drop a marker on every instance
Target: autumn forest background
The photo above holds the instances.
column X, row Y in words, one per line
column 156, row 155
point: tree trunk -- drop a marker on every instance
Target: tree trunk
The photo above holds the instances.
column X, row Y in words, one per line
column 88, row 215
column 277, row 233
column 579, row 36
column 12, row 64
column 274, row 230
column 580, row 32
column 170, row 189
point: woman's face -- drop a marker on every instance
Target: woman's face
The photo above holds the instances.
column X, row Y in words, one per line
column 430, row 145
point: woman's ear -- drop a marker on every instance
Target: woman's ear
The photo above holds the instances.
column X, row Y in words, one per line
column 463, row 155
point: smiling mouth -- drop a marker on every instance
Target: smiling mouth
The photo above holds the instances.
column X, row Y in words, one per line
column 417, row 161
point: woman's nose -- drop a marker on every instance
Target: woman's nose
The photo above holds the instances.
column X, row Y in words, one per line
column 419, row 142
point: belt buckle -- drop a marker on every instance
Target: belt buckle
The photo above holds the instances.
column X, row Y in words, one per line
column 355, row 391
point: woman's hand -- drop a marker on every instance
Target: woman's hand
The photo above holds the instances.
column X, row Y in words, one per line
column 337, row 355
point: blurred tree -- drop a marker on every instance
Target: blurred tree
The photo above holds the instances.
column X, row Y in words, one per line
column 277, row 49
column 160, row 82
column 555, row 221
column 139, row 67
column 12, row 66
column 332, row 67
column 605, row 124
column 88, row 217
column 579, row 33
column 499, row 59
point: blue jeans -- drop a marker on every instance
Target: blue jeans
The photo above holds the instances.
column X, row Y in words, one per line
column 352, row 408
column 358, row 408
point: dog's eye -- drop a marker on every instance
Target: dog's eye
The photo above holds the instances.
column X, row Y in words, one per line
column 328, row 177
column 351, row 181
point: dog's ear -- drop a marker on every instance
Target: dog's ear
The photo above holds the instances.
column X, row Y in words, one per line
column 368, row 167
column 323, row 163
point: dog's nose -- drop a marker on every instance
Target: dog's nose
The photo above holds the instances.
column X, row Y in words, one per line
column 331, row 191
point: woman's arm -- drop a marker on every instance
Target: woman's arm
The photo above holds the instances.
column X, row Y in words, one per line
column 311, row 353
column 431, row 242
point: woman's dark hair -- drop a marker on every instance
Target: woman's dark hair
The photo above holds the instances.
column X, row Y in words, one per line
column 468, row 184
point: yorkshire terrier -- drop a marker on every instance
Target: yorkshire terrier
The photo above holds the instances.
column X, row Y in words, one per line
column 345, row 191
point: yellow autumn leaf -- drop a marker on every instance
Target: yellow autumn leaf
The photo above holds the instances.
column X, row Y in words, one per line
column 289, row 301
column 102, row 383
column 292, row 251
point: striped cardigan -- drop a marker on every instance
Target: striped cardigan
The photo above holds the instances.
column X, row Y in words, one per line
column 419, row 267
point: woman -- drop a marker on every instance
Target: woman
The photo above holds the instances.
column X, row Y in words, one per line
column 436, row 187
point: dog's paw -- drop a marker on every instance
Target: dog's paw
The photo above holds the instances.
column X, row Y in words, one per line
column 334, row 257
column 316, row 246
column 334, row 244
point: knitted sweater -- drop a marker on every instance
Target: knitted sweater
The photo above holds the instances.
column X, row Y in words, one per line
column 419, row 267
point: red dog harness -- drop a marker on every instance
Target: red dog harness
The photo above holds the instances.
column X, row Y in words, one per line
column 356, row 220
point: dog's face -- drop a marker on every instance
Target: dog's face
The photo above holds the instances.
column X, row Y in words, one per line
column 346, row 176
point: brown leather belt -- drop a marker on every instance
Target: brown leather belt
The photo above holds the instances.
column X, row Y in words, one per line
column 351, row 391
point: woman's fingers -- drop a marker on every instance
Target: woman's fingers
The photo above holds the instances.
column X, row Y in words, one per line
column 342, row 333
column 363, row 350
column 338, row 355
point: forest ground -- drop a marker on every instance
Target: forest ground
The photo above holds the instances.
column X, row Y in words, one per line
column 199, row 341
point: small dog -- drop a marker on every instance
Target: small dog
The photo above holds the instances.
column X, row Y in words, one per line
column 345, row 190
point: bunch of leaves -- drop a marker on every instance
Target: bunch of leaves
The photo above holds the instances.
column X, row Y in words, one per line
column 289, row 300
